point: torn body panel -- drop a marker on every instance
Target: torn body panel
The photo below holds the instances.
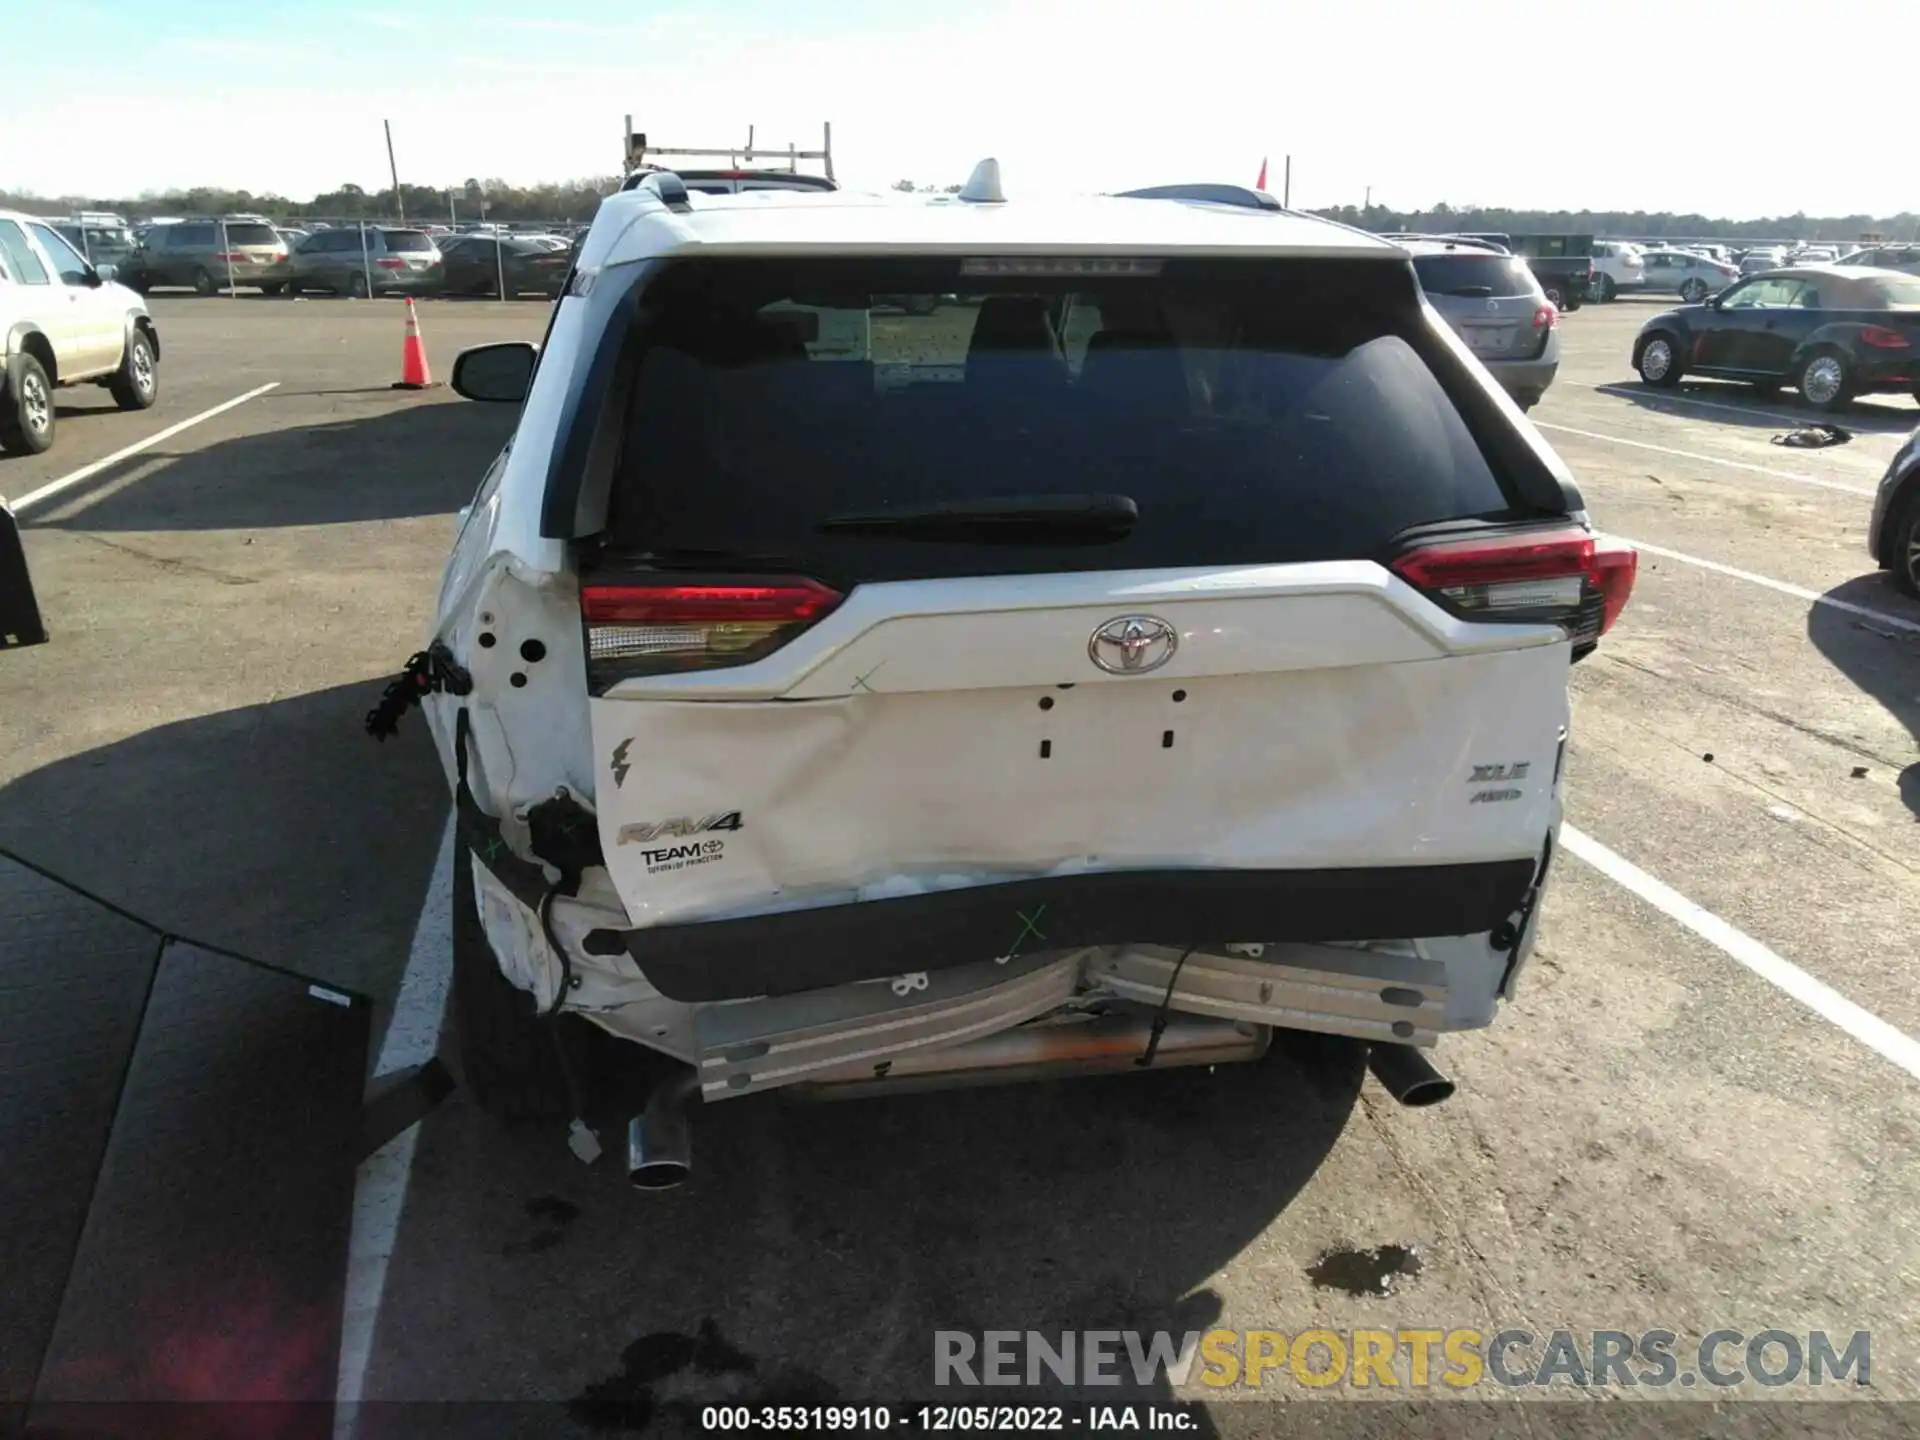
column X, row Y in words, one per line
column 516, row 630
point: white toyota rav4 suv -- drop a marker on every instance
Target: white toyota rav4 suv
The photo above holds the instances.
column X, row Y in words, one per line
column 65, row 321
column 1160, row 641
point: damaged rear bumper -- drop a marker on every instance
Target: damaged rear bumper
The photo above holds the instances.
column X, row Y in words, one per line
column 793, row 951
column 1085, row 1010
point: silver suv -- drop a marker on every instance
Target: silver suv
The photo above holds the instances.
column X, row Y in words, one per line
column 1494, row 303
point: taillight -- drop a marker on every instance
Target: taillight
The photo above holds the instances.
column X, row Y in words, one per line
column 670, row 626
column 390, row 262
column 230, row 255
column 1565, row 577
column 1881, row 338
column 1545, row 317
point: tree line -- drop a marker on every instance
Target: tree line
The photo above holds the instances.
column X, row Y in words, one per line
column 576, row 201
column 1630, row 224
column 473, row 199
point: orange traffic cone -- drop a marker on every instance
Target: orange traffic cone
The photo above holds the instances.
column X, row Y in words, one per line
column 414, row 374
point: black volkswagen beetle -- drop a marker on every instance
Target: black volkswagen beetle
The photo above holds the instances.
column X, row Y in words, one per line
column 1832, row 332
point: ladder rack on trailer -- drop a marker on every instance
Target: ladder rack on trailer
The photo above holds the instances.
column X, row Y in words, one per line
column 638, row 150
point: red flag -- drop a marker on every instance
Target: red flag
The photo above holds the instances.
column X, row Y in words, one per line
column 1261, row 183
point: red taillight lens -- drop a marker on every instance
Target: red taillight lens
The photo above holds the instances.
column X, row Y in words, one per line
column 1565, row 577
column 1545, row 318
column 662, row 628
column 1881, row 338
column 229, row 255
column 390, row 262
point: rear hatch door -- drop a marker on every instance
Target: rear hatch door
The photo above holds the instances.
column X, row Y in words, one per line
column 412, row 251
column 1062, row 577
column 1491, row 301
column 255, row 249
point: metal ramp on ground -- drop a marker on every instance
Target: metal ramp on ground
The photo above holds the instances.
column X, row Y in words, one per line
column 179, row 1133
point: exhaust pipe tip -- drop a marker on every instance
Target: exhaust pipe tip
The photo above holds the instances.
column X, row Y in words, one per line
column 659, row 1141
column 659, row 1173
column 1408, row 1076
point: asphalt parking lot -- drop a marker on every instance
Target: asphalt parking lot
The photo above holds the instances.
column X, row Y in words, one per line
column 1658, row 1135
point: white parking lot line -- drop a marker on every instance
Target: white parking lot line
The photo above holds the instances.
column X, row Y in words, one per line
column 87, row 472
column 1750, row 411
column 381, row 1190
column 1799, row 592
column 1863, row 1025
column 1790, row 475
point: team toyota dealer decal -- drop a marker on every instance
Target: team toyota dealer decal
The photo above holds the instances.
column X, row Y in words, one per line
column 682, row 842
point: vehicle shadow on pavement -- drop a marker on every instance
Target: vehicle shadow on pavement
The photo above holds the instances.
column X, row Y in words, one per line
column 818, row 1249
column 1881, row 661
column 1874, row 415
column 423, row 458
column 279, row 830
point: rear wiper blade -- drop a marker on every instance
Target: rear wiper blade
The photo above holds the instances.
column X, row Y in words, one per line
column 697, row 555
column 1011, row 514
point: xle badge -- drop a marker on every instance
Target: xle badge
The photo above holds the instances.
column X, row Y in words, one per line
column 1488, row 774
column 1494, row 775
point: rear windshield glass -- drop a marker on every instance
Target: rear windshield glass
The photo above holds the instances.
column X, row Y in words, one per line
column 241, row 233
column 1253, row 413
column 409, row 240
column 1493, row 276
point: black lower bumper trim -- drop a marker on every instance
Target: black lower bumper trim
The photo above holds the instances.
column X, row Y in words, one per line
column 797, row 950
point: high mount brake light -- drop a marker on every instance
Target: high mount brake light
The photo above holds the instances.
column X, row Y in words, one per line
column 1042, row 265
column 1567, row 577
column 668, row 627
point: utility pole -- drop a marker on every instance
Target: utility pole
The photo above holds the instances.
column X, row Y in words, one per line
column 1286, row 186
column 1369, row 204
column 394, row 171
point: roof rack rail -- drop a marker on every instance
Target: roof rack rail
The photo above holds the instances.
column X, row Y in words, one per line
column 637, row 149
column 1207, row 192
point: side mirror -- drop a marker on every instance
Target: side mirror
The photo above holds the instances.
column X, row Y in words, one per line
column 502, row 373
column 106, row 273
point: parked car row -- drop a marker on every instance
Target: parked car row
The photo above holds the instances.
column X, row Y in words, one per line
column 1694, row 271
column 209, row 256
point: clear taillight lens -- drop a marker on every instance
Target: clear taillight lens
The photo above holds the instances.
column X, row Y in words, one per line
column 669, row 627
column 1567, row 577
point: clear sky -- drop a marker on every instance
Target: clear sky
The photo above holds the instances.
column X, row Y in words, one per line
column 1637, row 104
